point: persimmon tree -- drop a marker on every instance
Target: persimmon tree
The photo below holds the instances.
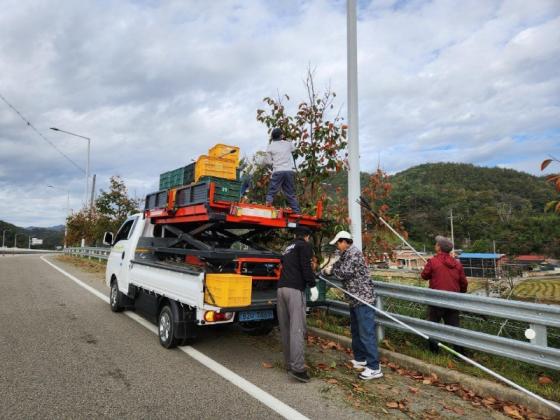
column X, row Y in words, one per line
column 319, row 135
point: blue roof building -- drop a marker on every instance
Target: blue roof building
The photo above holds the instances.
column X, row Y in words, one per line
column 481, row 264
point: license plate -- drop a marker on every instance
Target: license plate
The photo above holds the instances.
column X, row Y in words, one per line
column 255, row 315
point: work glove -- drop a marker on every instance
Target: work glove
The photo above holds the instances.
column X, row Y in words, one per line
column 314, row 294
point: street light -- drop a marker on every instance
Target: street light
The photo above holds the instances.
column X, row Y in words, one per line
column 354, row 190
column 67, row 211
column 88, row 156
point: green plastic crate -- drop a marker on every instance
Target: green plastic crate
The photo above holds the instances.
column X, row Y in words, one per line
column 225, row 189
column 177, row 177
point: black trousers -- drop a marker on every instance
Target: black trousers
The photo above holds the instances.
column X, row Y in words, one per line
column 449, row 317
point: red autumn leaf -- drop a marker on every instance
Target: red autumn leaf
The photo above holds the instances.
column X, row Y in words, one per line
column 413, row 390
column 544, row 380
column 266, row 365
column 512, row 412
column 545, row 163
column 392, row 404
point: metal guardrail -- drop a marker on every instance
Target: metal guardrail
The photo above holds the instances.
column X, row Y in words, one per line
column 538, row 316
column 89, row 252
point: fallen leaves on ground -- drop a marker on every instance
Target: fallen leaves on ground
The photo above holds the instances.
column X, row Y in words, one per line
column 512, row 410
column 388, row 344
column 544, row 380
column 266, row 365
column 332, row 381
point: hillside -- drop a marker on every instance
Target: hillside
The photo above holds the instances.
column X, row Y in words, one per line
column 52, row 236
column 488, row 204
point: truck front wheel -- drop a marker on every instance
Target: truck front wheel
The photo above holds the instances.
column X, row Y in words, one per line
column 166, row 329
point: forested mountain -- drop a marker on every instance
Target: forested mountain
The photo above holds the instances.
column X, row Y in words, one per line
column 489, row 204
column 52, row 236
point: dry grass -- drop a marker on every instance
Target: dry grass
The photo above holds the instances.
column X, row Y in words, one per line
column 89, row 266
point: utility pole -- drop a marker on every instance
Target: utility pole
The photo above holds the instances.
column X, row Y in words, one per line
column 495, row 266
column 452, row 233
column 354, row 189
column 92, row 191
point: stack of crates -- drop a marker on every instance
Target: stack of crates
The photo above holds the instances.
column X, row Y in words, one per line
column 220, row 166
column 222, row 162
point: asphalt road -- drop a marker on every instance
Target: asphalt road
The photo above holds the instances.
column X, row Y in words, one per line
column 66, row 355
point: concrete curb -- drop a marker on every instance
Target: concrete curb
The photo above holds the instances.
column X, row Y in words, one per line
column 482, row 386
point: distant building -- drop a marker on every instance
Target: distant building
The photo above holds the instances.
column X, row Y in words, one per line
column 408, row 260
column 527, row 262
column 482, row 264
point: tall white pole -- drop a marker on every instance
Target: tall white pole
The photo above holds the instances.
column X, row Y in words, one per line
column 3, row 238
column 87, row 171
column 354, row 189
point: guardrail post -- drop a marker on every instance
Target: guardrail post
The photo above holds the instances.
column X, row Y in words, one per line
column 380, row 328
column 540, row 335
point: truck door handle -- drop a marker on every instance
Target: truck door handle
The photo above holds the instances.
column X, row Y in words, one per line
column 122, row 257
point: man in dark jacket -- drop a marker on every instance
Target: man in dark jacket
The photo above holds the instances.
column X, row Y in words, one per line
column 297, row 274
column 351, row 268
column 444, row 273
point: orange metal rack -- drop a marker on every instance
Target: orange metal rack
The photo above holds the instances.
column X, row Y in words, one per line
column 242, row 213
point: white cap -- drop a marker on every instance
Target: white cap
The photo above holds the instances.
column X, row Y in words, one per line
column 341, row 235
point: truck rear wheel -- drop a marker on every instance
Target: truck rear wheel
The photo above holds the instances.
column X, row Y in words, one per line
column 166, row 329
column 116, row 297
column 256, row 328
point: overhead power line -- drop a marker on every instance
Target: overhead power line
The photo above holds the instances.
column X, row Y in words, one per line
column 28, row 123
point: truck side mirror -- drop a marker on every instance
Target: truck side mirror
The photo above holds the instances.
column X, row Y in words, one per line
column 108, row 239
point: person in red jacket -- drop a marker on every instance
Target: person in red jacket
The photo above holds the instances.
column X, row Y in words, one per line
column 444, row 273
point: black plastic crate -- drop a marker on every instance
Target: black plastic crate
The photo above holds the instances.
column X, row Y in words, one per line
column 193, row 194
column 157, row 200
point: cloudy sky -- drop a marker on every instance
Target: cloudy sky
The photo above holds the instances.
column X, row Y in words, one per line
column 155, row 83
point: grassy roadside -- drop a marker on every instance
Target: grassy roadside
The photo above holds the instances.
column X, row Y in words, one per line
column 524, row 374
column 89, row 266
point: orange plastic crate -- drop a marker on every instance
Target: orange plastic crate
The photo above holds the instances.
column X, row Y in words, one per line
column 219, row 168
column 228, row 290
column 223, row 151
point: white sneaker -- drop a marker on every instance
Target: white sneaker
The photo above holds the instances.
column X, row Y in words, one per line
column 368, row 374
column 358, row 365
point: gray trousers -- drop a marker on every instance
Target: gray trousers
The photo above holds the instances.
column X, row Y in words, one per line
column 291, row 320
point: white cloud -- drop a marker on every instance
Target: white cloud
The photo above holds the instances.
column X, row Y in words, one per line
column 155, row 83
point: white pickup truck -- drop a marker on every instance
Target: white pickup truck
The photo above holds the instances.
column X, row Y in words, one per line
column 160, row 270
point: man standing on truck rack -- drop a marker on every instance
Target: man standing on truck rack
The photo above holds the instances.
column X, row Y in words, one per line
column 279, row 155
column 297, row 274
column 444, row 273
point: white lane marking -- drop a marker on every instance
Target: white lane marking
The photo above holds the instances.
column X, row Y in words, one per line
column 259, row 394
